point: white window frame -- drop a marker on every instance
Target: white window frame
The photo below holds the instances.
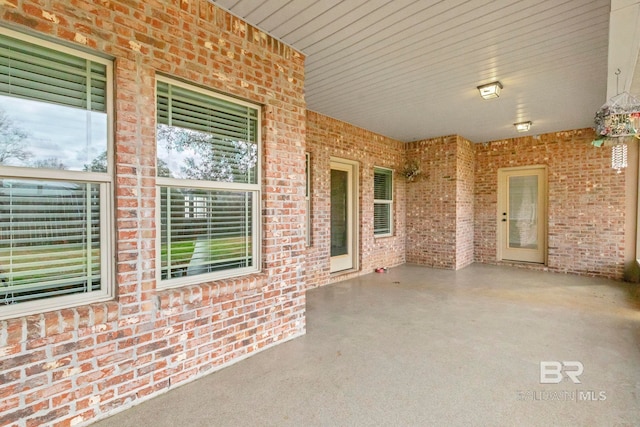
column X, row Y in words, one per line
column 255, row 189
column 385, row 202
column 105, row 182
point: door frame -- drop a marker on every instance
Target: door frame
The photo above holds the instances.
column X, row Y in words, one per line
column 353, row 217
column 502, row 206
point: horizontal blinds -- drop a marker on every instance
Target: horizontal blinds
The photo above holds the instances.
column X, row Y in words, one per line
column 35, row 72
column 205, row 231
column 207, row 138
column 49, row 239
column 383, row 196
column 188, row 109
column 382, row 218
column 382, row 188
column 201, row 156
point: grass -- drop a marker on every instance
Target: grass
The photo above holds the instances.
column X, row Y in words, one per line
column 219, row 249
column 32, row 270
column 67, row 262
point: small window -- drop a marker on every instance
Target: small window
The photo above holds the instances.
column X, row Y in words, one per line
column 208, row 159
column 307, row 197
column 55, row 181
column 383, row 202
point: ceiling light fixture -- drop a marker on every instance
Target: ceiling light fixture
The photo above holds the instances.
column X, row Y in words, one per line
column 523, row 126
column 490, row 90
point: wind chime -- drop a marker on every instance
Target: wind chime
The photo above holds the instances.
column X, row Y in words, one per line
column 617, row 121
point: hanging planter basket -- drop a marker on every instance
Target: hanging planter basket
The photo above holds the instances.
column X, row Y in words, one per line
column 620, row 116
column 616, row 120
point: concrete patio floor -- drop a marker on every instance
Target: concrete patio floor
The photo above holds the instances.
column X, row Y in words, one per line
column 419, row 346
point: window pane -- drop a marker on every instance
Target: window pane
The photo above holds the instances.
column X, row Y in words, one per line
column 381, row 218
column 204, row 231
column 31, row 71
column 383, row 196
column 382, row 187
column 307, row 175
column 189, row 154
column 49, row 239
column 203, row 137
column 523, row 212
column 43, row 135
column 339, row 212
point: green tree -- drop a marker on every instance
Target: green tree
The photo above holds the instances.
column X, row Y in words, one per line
column 216, row 159
column 98, row 164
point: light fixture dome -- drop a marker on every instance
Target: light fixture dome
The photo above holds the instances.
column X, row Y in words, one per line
column 490, row 90
column 523, row 126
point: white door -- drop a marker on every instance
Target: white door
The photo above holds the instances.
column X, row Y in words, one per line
column 343, row 215
column 522, row 214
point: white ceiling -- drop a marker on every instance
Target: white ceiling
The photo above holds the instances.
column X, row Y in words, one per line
column 408, row 69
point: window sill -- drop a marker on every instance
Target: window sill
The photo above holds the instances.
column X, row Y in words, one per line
column 383, row 236
column 197, row 293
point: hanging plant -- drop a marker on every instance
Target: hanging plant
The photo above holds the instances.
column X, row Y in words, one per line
column 615, row 121
column 619, row 117
column 411, row 170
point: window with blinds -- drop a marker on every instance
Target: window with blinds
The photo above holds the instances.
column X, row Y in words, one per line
column 209, row 195
column 307, row 195
column 383, row 202
column 54, row 181
column 205, row 138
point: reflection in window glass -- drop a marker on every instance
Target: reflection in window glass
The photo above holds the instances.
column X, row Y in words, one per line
column 53, row 115
column 190, row 154
column 204, row 137
column 208, row 166
column 43, row 135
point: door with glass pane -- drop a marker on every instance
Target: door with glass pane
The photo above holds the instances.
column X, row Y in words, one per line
column 522, row 216
column 343, row 215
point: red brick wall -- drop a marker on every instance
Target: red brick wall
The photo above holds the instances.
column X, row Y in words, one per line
column 451, row 208
column 74, row 365
column 431, row 203
column 70, row 366
column 586, row 205
column 326, row 138
column 465, row 211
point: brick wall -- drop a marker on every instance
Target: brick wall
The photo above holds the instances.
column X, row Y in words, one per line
column 326, row 138
column 586, row 200
column 451, row 208
column 71, row 366
column 68, row 367
column 431, row 203
column 465, row 211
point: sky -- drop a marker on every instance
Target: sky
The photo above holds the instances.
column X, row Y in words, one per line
column 57, row 132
